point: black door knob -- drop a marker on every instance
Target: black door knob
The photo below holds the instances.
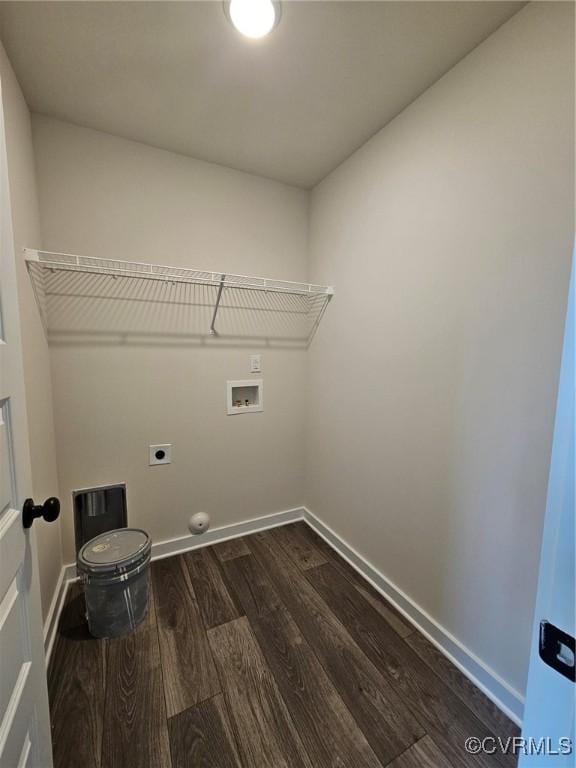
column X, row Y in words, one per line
column 49, row 511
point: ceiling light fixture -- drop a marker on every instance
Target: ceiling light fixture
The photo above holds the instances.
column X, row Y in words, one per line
column 253, row 18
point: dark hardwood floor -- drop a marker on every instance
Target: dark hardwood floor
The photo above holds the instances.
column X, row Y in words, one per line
column 263, row 652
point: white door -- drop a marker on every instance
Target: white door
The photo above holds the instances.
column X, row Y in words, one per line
column 24, row 717
column 549, row 712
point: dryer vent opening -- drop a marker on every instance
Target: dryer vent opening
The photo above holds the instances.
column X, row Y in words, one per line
column 97, row 510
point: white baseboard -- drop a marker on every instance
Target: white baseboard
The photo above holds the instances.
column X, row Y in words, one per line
column 225, row 533
column 53, row 616
column 170, row 547
column 506, row 698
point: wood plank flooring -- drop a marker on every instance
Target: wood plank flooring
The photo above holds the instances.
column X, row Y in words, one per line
column 267, row 651
column 202, row 736
column 262, row 725
column 135, row 728
column 187, row 664
column 77, row 684
column 325, row 725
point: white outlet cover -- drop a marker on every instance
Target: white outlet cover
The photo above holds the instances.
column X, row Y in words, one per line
column 255, row 363
column 159, row 454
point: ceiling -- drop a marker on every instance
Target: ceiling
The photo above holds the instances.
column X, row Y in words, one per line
column 291, row 107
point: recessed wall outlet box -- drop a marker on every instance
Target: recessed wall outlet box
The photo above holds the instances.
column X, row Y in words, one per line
column 160, row 454
column 255, row 363
column 244, row 396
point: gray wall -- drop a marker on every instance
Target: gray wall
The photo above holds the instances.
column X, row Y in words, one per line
column 116, row 393
column 433, row 377
column 26, row 226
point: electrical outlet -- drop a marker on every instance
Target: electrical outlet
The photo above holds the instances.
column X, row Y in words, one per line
column 159, row 454
column 255, row 363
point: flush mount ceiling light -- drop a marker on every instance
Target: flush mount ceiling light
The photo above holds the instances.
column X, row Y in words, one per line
column 253, row 18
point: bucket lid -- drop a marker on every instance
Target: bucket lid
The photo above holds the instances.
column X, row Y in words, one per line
column 114, row 549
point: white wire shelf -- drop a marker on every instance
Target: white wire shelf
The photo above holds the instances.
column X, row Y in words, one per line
column 81, row 294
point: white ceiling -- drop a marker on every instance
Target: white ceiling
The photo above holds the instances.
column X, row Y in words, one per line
column 291, row 107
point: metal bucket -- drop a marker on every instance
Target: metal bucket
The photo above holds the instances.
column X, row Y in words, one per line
column 115, row 570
